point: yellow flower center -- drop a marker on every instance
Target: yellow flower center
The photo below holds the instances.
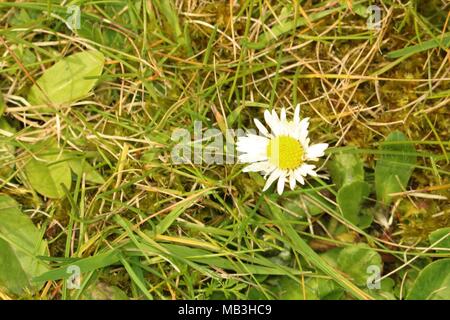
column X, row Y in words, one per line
column 285, row 152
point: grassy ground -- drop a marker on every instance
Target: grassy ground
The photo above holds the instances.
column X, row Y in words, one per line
column 141, row 227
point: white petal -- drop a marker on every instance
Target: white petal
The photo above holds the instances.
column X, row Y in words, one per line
column 268, row 117
column 306, row 145
column 275, row 116
column 248, row 158
column 303, row 130
column 261, row 127
column 283, row 115
column 306, row 169
column 252, row 144
column 269, row 169
column 271, row 120
column 281, row 182
column 291, row 130
column 276, row 124
column 252, row 148
column 257, row 166
column 250, row 138
column 273, row 176
column 299, row 177
column 297, row 114
column 292, row 181
column 316, row 151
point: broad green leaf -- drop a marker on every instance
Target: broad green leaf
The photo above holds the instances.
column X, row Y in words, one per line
column 80, row 166
column 325, row 289
column 20, row 245
column 68, row 80
column 355, row 261
column 48, row 173
column 366, row 217
column 395, row 166
column 443, row 236
column 288, row 289
column 433, row 282
column 331, row 256
column 386, row 290
column 253, row 294
column 350, row 198
column 12, row 276
column 346, row 168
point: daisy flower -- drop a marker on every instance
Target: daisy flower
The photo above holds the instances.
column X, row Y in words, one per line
column 283, row 152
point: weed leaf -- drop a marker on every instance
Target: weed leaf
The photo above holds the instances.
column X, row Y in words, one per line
column 20, row 245
column 68, row 80
column 346, row 168
column 433, row 282
column 395, row 166
column 80, row 166
column 48, row 173
column 350, row 198
column 442, row 239
column 356, row 260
